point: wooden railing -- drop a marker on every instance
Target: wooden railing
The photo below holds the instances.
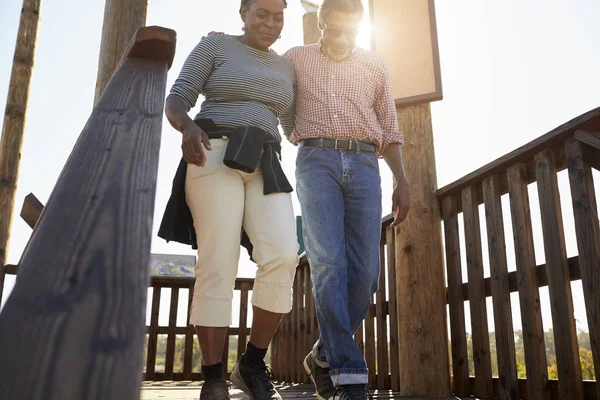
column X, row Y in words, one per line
column 576, row 147
column 73, row 324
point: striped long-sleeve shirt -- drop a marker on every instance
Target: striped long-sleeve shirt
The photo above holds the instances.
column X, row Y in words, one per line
column 242, row 86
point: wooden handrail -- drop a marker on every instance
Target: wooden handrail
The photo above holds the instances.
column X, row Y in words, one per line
column 554, row 139
column 74, row 321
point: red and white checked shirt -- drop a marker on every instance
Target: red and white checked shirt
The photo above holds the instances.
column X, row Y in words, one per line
column 351, row 99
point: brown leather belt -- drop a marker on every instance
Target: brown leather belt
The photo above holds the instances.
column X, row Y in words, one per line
column 340, row 144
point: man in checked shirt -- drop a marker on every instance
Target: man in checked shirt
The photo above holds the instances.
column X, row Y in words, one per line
column 345, row 119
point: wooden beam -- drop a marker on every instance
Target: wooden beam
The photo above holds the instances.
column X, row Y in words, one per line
column 13, row 129
column 74, row 324
column 424, row 358
column 310, row 24
column 122, row 19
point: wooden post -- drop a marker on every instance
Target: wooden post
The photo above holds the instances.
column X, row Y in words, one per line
column 122, row 18
column 310, row 24
column 424, row 363
column 14, row 122
column 73, row 327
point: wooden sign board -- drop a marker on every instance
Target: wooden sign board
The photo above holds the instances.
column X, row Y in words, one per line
column 405, row 34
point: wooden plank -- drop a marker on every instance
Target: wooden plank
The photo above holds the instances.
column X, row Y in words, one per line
column 585, row 209
column 370, row 354
column 589, row 389
column 243, row 321
column 460, row 364
column 171, row 336
column 31, row 210
column 308, row 313
column 11, row 269
column 477, row 298
column 381, row 323
column 94, row 243
column 390, row 239
column 528, row 284
column 153, row 334
column 189, row 339
column 503, row 326
column 297, row 336
column 225, row 354
column 540, row 271
column 553, row 139
column 561, row 300
column 13, row 128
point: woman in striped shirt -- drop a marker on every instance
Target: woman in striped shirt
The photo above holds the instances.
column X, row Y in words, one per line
column 245, row 84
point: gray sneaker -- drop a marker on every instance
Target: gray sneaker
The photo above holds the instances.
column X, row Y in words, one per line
column 320, row 377
column 254, row 381
column 353, row 392
column 215, row 389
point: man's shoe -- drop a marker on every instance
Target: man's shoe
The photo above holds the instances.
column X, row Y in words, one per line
column 353, row 392
column 320, row 377
column 215, row 389
column 254, row 381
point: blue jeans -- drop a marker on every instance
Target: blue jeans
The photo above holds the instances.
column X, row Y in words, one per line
column 340, row 197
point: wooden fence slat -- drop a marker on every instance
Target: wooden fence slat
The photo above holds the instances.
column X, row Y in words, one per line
column 308, row 313
column 188, row 357
column 243, row 321
column 561, row 299
column 503, row 326
column 170, row 354
column 381, row 316
column 585, row 209
column 477, row 299
column 81, row 294
column 460, row 364
column 390, row 239
column 289, row 348
column 298, row 331
column 528, row 284
column 370, row 355
column 153, row 334
column 225, row 355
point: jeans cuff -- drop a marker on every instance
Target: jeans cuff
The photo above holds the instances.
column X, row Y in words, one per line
column 350, row 376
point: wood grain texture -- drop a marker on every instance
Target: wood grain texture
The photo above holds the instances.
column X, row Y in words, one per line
column 460, row 364
column 477, row 298
column 74, row 324
column 559, row 285
column 503, row 326
column 390, row 241
column 420, row 281
column 553, row 139
column 122, row 19
column 171, row 335
column 11, row 143
column 528, row 285
column 585, row 209
column 591, row 148
column 382, row 323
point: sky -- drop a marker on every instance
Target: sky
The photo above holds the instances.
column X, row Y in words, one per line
column 512, row 70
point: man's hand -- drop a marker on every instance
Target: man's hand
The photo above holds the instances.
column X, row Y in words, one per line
column 400, row 202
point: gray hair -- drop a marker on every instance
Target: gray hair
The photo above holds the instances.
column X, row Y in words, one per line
column 345, row 6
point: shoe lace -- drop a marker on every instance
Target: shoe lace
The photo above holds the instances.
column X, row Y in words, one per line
column 262, row 378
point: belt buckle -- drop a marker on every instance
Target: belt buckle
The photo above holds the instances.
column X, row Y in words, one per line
column 335, row 145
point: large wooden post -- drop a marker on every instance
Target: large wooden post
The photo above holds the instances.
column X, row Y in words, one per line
column 406, row 30
column 424, row 361
column 14, row 122
column 122, row 18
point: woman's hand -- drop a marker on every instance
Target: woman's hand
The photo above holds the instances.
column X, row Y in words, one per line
column 193, row 143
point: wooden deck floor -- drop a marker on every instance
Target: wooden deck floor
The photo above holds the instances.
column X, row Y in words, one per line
column 191, row 391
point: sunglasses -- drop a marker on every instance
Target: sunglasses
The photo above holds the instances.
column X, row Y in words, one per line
column 336, row 32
